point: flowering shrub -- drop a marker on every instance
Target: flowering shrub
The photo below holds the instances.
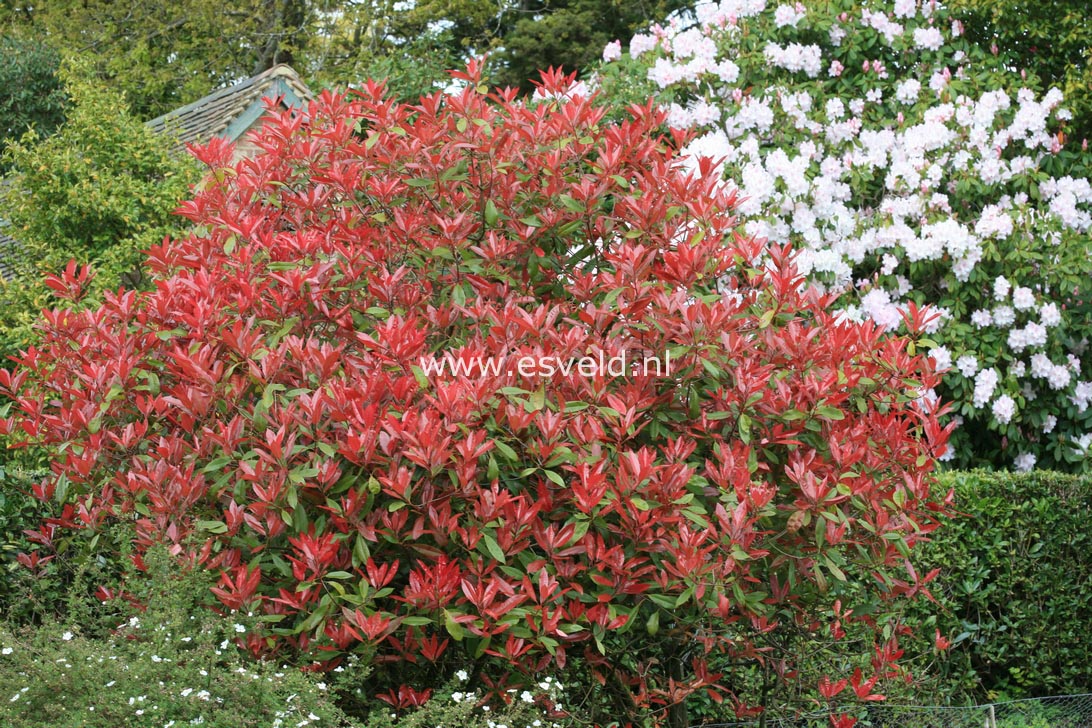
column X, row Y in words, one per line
column 264, row 410
column 907, row 165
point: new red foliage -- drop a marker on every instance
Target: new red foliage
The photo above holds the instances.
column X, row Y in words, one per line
column 264, row 409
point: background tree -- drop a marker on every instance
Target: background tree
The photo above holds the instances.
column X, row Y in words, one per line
column 100, row 190
column 526, row 36
column 31, row 94
column 164, row 54
column 1051, row 37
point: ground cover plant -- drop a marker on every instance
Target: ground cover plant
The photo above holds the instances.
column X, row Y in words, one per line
column 159, row 659
column 273, row 410
column 908, row 164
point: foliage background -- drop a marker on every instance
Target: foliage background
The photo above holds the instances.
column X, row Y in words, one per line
column 101, row 190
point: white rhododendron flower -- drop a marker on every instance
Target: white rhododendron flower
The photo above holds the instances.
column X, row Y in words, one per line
column 932, row 181
column 1024, row 462
column 1004, row 408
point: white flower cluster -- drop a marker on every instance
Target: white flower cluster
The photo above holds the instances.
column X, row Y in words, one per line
column 551, row 691
column 903, row 187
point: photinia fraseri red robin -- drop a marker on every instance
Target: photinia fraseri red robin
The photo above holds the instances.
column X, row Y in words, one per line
column 265, row 411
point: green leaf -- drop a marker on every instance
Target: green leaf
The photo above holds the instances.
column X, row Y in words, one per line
column 555, row 478
column 494, row 548
column 506, row 450
column 745, row 429
column 453, row 627
column 212, row 526
column 537, row 400
column 652, row 626
column 420, row 376
column 491, row 213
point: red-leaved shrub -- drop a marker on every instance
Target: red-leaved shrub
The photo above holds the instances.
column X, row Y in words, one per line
column 271, row 412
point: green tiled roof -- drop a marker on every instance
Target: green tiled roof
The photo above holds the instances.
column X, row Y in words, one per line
column 230, row 111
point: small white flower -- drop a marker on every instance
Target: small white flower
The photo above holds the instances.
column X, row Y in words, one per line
column 67, row 636
column 1050, row 315
column 967, row 365
column 1025, row 463
column 1004, row 408
column 240, row 628
column 612, row 51
column 942, row 358
column 1004, row 316
column 526, row 697
column 6, row 651
column 462, row 675
column 1023, row 298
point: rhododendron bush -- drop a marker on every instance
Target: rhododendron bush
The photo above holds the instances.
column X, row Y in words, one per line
column 907, row 165
column 266, row 409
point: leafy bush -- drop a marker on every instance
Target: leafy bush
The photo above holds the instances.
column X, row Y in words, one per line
column 20, row 512
column 101, row 190
column 338, row 390
column 31, row 93
column 169, row 663
column 909, row 165
column 1015, row 593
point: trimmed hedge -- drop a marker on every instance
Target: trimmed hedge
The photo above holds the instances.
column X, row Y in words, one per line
column 1016, row 587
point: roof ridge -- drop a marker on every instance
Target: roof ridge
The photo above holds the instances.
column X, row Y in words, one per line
column 282, row 70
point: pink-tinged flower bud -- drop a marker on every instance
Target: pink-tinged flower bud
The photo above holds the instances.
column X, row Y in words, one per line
column 993, row 48
column 844, row 17
column 1024, row 74
column 866, row 65
column 737, row 95
column 900, row 118
column 1084, row 145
